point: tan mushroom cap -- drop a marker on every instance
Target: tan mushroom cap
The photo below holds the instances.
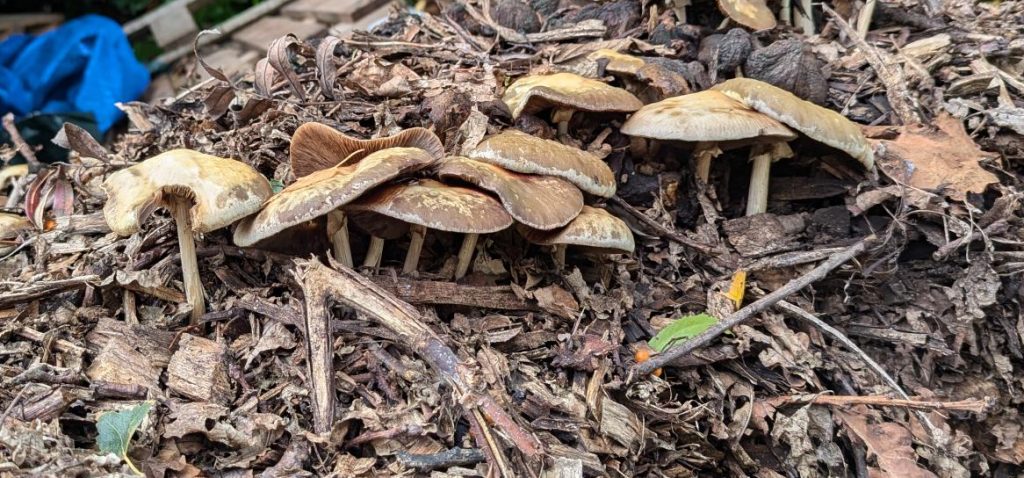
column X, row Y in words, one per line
column 594, row 228
column 325, row 190
column 222, row 190
column 818, row 123
column 617, row 62
column 12, row 224
column 708, row 116
column 541, row 202
column 534, row 93
column 316, row 146
column 522, row 153
column 434, row 205
column 753, row 14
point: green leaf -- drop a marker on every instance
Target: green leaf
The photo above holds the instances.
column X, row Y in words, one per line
column 116, row 430
column 276, row 185
column 681, row 329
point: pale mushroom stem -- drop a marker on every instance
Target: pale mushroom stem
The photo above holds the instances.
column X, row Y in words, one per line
column 179, row 208
column 466, row 255
column 561, row 116
column 705, row 152
column 762, row 156
column 374, row 252
column 805, row 17
column 412, row 258
column 560, row 255
column 337, row 226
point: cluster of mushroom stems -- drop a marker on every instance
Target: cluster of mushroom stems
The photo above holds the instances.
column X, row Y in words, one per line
column 405, row 183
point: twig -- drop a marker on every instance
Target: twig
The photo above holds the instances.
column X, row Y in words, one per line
column 19, row 142
column 995, row 228
column 444, row 459
column 662, row 230
column 42, row 289
column 793, row 286
column 61, row 344
column 864, row 18
column 971, row 405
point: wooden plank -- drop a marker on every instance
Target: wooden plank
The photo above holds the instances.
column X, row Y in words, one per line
column 176, row 23
column 19, row 22
column 344, row 29
column 138, row 24
column 267, row 29
column 332, row 11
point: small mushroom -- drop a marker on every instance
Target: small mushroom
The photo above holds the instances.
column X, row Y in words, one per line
column 327, row 190
column 380, row 228
column 753, row 14
column 540, row 202
column 522, row 153
column 202, row 192
column 428, row 204
column 566, row 93
column 616, row 62
column 316, row 146
column 10, row 226
column 594, row 229
column 10, row 174
column 708, row 118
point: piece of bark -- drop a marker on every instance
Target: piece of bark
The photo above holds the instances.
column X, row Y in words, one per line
column 762, row 234
column 424, row 292
column 119, row 362
column 622, row 425
column 198, row 370
column 49, row 404
column 153, row 343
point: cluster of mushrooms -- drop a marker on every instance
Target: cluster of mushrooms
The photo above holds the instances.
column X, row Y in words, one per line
column 405, row 184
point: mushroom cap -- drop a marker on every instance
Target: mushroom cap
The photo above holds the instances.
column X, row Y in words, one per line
column 316, row 146
column 434, row 205
column 753, row 14
column 704, row 116
column 522, row 153
column 594, row 228
column 534, row 93
column 617, row 62
column 541, row 202
column 818, row 123
column 222, row 190
column 12, row 224
column 325, row 190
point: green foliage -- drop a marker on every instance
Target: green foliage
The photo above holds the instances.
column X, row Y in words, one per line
column 116, row 430
column 220, row 10
column 681, row 329
column 276, row 185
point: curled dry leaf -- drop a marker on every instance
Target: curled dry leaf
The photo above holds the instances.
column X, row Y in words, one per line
column 326, row 71
column 265, row 77
column 212, row 70
column 890, row 443
column 278, row 55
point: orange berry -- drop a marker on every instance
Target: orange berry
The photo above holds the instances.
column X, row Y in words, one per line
column 642, row 354
column 656, row 372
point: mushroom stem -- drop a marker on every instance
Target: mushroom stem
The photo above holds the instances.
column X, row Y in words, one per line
column 412, row 258
column 337, row 226
column 762, row 156
column 374, row 252
column 465, row 255
column 562, row 117
column 560, row 255
column 179, row 208
column 704, row 153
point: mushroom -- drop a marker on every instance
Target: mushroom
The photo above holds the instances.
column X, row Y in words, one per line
column 316, row 146
column 327, row 190
column 566, row 93
column 594, row 229
column 522, row 153
column 380, row 228
column 616, row 62
column 708, row 118
column 10, row 226
column 429, row 204
column 202, row 192
column 540, row 202
column 818, row 123
column 753, row 14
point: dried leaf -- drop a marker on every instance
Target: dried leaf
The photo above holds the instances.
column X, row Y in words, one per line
column 279, row 59
column 265, row 78
column 219, row 100
column 213, row 71
column 327, row 72
column 73, row 137
column 890, row 443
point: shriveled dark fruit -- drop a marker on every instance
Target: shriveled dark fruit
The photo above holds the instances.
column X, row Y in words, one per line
column 619, row 16
column 684, row 38
column 723, row 53
column 446, row 111
column 457, row 13
column 495, row 109
column 516, row 15
column 790, row 65
column 534, row 126
column 694, row 71
column 639, row 189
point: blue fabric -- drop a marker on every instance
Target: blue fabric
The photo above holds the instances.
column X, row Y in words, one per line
column 85, row 65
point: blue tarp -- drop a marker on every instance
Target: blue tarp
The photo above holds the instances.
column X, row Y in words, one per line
column 85, row 65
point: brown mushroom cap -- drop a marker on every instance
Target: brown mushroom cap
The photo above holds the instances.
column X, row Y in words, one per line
column 594, row 228
column 326, row 190
column 12, row 224
column 434, row 205
column 617, row 62
column 753, row 14
column 316, row 146
column 709, row 116
column 534, row 93
column 818, row 123
column 541, row 202
column 522, row 153
column 223, row 190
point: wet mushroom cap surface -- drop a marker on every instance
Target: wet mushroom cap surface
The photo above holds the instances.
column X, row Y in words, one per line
column 437, row 206
column 323, row 191
column 818, row 123
column 538, row 92
column 316, row 146
column 523, row 153
column 753, row 14
column 708, row 116
column 594, row 228
column 541, row 202
column 222, row 190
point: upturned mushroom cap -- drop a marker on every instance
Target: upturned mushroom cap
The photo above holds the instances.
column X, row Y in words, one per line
column 325, row 190
column 522, row 153
column 753, row 14
column 222, row 190
column 818, row 123
column 617, row 62
column 316, row 146
column 704, row 116
column 541, row 202
column 594, row 228
column 12, row 224
column 534, row 93
column 435, row 205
